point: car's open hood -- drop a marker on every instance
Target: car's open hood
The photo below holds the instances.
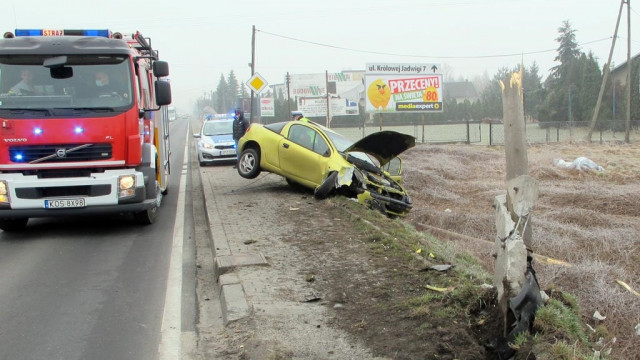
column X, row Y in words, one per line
column 384, row 145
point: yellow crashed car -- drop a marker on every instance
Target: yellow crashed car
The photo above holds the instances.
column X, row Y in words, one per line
column 318, row 158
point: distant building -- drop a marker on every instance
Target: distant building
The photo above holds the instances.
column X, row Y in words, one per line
column 460, row 91
column 619, row 73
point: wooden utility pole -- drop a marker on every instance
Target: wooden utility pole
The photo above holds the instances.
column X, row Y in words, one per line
column 627, row 124
column 288, row 94
column 326, row 86
column 253, row 65
column 605, row 76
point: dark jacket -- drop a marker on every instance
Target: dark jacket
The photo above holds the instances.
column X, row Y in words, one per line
column 240, row 126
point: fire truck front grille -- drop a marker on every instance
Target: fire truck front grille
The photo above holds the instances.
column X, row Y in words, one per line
column 54, row 191
column 59, row 153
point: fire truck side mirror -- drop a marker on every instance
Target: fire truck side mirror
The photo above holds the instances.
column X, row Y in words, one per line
column 160, row 68
column 163, row 92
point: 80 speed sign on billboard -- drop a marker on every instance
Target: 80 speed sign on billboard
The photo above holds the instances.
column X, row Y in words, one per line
column 403, row 88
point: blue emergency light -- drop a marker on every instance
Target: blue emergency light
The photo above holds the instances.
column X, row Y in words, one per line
column 59, row 32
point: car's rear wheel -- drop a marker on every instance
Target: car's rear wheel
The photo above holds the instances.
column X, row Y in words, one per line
column 249, row 164
column 327, row 186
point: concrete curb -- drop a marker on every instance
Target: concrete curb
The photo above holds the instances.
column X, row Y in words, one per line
column 233, row 303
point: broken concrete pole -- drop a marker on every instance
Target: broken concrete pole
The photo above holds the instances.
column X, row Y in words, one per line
column 515, row 140
column 522, row 194
column 504, row 222
column 513, row 212
column 511, row 258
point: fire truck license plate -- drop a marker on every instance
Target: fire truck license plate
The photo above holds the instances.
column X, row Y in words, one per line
column 64, row 203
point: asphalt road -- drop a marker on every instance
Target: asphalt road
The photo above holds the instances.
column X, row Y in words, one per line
column 95, row 287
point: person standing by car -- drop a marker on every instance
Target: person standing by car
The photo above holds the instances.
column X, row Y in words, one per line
column 297, row 115
column 240, row 126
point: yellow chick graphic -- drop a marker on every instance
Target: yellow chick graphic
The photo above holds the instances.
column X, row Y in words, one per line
column 379, row 94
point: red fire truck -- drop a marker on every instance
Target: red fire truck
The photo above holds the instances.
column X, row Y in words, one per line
column 84, row 125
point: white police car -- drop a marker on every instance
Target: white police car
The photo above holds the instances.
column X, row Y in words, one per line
column 216, row 142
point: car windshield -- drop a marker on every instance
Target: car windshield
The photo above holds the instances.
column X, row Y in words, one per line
column 342, row 143
column 84, row 82
column 211, row 128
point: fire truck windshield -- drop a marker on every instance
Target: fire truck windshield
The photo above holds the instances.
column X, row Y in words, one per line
column 87, row 82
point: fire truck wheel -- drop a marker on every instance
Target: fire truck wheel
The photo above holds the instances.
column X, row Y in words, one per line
column 13, row 224
column 147, row 217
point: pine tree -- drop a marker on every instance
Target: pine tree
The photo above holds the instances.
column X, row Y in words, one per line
column 221, row 103
column 568, row 53
column 533, row 90
column 588, row 87
column 566, row 99
column 233, row 90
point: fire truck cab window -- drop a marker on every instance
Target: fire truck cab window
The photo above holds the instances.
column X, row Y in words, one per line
column 86, row 82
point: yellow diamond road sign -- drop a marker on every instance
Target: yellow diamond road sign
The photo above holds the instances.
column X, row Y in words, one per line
column 257, row 83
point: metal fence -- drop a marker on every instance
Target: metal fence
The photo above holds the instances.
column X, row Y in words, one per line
column 474, row 132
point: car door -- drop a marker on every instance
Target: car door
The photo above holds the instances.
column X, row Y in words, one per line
column 304, row 155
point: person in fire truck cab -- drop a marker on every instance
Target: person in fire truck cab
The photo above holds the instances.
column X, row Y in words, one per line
column 102, row 82
column 25, row 86
column 105, row 87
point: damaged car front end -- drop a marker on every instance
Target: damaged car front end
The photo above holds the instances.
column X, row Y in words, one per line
column 311, row 155
column 378, row 185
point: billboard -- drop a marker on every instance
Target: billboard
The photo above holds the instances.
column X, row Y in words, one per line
column 403, row 88
column 344, row 89
column 317, row 106
column 267, row 107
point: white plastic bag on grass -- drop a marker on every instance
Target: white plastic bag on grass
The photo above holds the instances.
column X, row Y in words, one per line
column 581, row 163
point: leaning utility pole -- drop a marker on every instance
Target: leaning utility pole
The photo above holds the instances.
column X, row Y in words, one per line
column 605, row 76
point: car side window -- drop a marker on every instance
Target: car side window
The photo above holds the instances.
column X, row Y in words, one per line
column 320, row 146
column 309, row 138
column 302, row 135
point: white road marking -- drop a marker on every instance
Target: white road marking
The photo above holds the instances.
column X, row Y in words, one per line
column 170, row 347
